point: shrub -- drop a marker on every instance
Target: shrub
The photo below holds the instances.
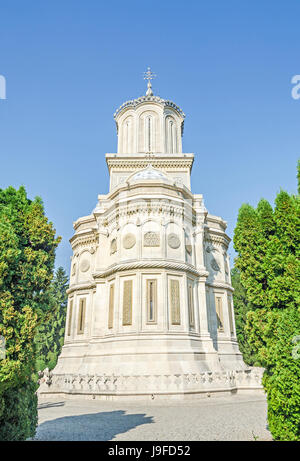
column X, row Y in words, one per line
column 19, row 418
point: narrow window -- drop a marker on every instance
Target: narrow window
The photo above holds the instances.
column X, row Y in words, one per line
column 191, row 305
column 127, row 302
column 70, row 317
column 81, row 316
column 148, row 134
column 174, row 138
column 175, row 302
column 219, row 312
column 171, row 137
column 151, row 301
column 230, row 315
column 111, row 307
column 127, row 137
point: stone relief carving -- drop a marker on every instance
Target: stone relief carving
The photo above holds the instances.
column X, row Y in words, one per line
column 84, row 265
column 113, row 246
column 151, row 239
column 73, row 269
column 127, row 302
column 178, row 179
column 129, row 241
column 174, row 241
column 175, row 302
column 215, row 265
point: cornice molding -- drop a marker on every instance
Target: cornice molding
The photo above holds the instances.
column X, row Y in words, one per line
column 217, row 237
column 88, row 238
column 222, row 285
column 80, row 287
column 135, row 164
column 133, row 103
column 142, row 209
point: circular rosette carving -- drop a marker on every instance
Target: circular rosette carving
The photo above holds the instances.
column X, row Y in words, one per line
column 84, row 265
column 129, row 241
column 174, row 241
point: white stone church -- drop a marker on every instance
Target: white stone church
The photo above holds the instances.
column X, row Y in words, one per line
column 150, row 310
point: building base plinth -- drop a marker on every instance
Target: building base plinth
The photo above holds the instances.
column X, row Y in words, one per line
column 150, row 386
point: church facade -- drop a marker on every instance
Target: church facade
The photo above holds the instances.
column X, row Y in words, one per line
column 150, row 307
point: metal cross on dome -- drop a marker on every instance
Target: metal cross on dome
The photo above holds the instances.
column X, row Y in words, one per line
column 149, row 75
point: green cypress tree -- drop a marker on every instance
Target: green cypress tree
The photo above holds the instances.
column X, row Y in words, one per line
column 241, row 307
column 268, row 247
column 27, row 253
column 50, row 335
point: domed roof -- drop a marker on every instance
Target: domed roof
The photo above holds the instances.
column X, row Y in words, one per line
column 149, row 97
column 148, row 173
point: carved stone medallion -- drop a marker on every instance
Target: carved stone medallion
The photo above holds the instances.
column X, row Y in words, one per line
column 84, row 265
column 113, row 246
column 214, row 264
column 151, row 239
column 174, row 241
column 129, row 241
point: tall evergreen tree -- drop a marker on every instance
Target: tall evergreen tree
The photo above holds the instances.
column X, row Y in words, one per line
column 27, row 253
column 50, row 334
column 241, row 307
column 268, row 245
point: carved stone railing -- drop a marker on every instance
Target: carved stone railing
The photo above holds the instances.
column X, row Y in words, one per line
column 151, row 384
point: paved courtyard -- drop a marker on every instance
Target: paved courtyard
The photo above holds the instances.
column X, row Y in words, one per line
column 237, row 417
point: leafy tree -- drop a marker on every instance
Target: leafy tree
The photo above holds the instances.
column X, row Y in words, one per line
column 268, row 245
column 27, row 253
column 50, row 335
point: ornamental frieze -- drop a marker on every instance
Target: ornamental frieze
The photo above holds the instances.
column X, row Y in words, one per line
column 217, row 240
column 140, row 164
column 89, row 241
column 143, row 209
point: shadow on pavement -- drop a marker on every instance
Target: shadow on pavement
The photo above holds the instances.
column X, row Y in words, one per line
column 50, row 405
column 94, row 426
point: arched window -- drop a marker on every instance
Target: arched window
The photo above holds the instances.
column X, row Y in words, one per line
column 127, row 136
column 171, row 136
column 174, row 138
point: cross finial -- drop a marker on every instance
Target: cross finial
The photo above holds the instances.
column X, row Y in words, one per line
column 149, row 75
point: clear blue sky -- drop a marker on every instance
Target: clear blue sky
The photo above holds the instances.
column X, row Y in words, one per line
column 69, row 64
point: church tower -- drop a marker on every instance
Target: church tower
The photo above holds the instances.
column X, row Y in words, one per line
column 150, row 309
